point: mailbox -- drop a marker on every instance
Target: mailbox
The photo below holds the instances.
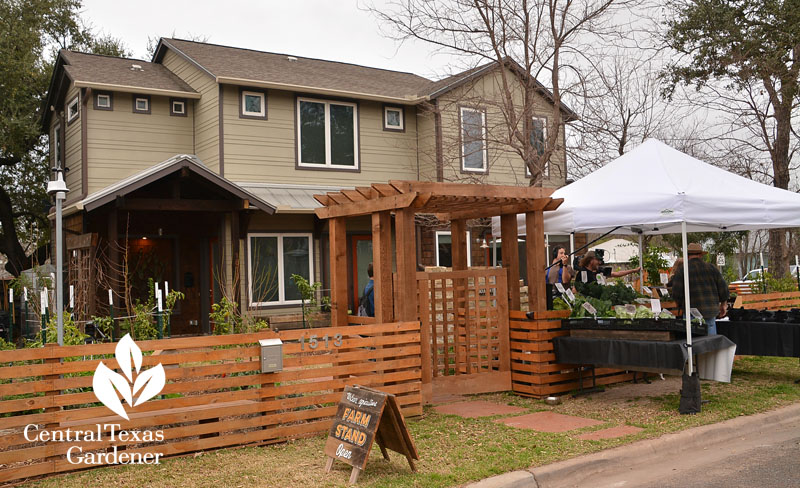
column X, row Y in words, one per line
column 271, row 355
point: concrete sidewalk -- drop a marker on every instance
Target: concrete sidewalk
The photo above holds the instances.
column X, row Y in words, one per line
column 656, row 457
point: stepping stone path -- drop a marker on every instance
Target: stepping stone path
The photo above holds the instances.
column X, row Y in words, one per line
column 549, row 422
column 612, row 433
column 473, row 409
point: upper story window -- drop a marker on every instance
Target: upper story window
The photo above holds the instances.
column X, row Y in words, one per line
column 57, row 146
column 538, row 138
column 141, row 104
column 252, row 104
column 177, row 107
column 393, row 118
column 473, row 140
column 272, row 260
column 73, row 109
column 327, row 134
column 103, row 101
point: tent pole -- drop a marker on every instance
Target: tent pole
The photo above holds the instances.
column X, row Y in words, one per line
column 571, row 243
column 547, row 246
column 641, row 265
column 687, row 303
column 494, row 254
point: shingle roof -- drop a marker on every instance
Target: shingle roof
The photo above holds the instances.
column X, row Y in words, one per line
column 246, row 64
column 110, row 70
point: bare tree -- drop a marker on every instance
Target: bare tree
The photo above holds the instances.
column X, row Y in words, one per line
column 525, row 40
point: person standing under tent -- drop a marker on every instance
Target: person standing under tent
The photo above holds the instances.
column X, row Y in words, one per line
column 591, row 265
column 561, row 272
column 708, row 291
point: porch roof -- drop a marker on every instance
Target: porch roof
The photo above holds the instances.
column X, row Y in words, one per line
column 167, row 167
column 289, row 198
column 448, row 201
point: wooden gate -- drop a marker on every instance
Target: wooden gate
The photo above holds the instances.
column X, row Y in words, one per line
column 464, row 332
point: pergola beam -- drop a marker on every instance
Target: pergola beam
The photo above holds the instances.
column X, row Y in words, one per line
column 366, row 207
column 514, row 208
column 460, row 189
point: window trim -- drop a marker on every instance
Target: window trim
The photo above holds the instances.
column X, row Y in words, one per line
column 281, row 285
column 546, row 171
column 389, row 128
column 252, row 115
column 172, row 102
column 58, row 136
column 142, row 97
column 450, row 233
column 110, row 96
column 356, row 168
column 462, row 156
column 76, row 102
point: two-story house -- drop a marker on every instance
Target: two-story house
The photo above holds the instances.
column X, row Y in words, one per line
column 199, row 167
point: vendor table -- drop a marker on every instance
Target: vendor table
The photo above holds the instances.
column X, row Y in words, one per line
column 715, row 354
column 762, row 338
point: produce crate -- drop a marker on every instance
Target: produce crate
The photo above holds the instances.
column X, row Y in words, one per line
column 671, row 325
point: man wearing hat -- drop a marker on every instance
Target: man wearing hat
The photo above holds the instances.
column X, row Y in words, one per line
column 707, row 289
column 590, row 264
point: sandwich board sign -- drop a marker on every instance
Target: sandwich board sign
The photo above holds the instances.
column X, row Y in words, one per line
column 363, row 417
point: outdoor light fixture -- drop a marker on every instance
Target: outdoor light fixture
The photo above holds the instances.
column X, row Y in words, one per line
column 58, row 189
column 485, row 244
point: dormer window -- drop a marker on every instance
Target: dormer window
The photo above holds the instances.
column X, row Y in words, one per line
column 103, row 101
column 252, row 104
column 141, row 104
column 73, row 109
column 177, row 107
column 393, row 119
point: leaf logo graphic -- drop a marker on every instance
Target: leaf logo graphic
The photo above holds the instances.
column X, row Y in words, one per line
column 109, row 385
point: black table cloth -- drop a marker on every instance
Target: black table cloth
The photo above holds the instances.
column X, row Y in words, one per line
column 657, row 356
column 762, row 338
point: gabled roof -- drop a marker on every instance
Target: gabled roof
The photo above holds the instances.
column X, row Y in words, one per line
column 160, row 170
column 114, row 74
column 245, row 66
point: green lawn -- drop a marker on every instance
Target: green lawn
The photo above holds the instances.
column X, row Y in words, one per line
column 455, row 450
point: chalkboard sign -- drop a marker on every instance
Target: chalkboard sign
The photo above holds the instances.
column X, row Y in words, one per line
column 363, row 417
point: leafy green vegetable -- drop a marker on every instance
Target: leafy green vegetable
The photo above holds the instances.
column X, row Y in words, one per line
column 603, row 307
column 643, row 312
column 617, row 294
column 560, row 304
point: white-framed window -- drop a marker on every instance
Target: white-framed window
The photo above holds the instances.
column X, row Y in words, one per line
column 102, row 101
column 73, row 108
column 254, row 104
column 177, row 107
column 538, row 138
column 327, row 134
column 56, row 146
column 393, row 118
column 444, row 248
column 272, row 260
column 473, row 140
column 141, row 104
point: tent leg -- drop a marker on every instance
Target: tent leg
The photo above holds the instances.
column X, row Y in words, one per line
column 641, row 265
column 686, row 300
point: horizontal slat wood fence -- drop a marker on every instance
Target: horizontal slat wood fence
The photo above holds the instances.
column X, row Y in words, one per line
column 215, row 395
column 534, row 371
column 769, row 301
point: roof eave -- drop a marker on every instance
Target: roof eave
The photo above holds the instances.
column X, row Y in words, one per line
column 407, row 100
column 137, row 89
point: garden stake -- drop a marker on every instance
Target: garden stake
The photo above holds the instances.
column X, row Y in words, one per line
column 159, row 318
column 45, row 316
column 24, row 319
column 111, row 314
column 11, row 306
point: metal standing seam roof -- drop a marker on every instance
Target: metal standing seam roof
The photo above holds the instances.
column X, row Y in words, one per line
column 169, row 166
column 290, row 198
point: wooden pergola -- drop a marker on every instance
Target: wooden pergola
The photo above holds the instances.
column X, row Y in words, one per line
column 451, row 202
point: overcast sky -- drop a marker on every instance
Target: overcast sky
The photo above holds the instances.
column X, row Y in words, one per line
column 328, row 29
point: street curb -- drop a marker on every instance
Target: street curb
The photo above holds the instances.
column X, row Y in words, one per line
column 579, row 471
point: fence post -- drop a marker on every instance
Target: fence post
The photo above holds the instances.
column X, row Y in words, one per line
column 52, row 393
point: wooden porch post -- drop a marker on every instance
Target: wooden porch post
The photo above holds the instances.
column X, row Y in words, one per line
column 534, row 224
column 510, row 250
column 458, row 237
column 338, row 259
column 406, row 265
column 382, row 265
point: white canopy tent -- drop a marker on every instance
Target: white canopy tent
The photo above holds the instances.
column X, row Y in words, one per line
column 655, row 189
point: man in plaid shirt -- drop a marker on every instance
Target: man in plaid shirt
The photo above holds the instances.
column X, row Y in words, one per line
column 707, row 289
